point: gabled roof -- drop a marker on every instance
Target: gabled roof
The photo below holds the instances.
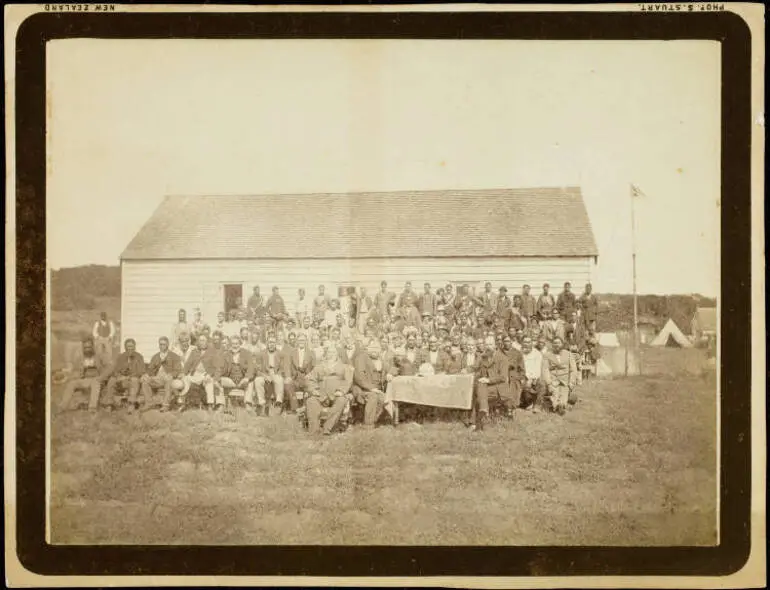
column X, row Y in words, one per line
column 502, row 222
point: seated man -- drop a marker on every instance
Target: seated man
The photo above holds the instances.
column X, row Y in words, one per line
column 369, row 378
column 238, row 371
column 562, row 374
column 434, row 357
column 204, row 368
column 164, row 369
column 125, row 375
column 90, row 376
column 271, row 369
column 300, row 362
column 491, row 381
column 516, row 372
column 328, row 386
column 533, row 387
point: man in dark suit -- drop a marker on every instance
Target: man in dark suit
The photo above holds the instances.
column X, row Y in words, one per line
column 276, row 310
column 566, row 303
column 516, row 373
column 125, row 374
column 369, row 379
column 271, row 369
column 301, row 363
column 238, row 371
column 436, row 358
column 428, row 302
column 491, row 381
column 164, row 369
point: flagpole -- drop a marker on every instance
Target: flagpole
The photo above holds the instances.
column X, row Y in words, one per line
column 633, row 264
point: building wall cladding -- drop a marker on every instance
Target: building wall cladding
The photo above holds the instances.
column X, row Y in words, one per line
column 153, row 291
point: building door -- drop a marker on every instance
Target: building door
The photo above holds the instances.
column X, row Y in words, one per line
column 233, row 296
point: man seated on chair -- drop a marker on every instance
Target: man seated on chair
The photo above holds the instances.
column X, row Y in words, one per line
column 90, row 369
column 238, row 371
column 491, row 382
column 301, row 362
column 533, row 387
column 369, row 381
column 434, row 357
column 164, row 369
column 328, row 386
column 204, row 369
column 125, row 375
column 561, row 375
column 271, row 369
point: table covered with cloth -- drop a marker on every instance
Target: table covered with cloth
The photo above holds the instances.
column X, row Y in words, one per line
column 443, row 391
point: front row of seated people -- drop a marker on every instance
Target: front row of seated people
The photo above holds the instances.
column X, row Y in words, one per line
column 508, row 374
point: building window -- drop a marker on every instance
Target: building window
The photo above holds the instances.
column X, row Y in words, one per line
column 233, row 297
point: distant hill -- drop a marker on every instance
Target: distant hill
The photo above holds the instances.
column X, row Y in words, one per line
column 616, row 311
column 79, row 288
column 83, row 287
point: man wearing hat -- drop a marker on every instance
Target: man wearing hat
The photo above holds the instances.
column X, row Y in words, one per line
column 369, row 381
column 90, row 376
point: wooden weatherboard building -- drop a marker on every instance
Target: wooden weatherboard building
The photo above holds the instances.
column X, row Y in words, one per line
column 203, row 251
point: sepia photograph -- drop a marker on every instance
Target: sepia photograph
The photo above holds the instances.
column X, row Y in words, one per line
column 383, row 292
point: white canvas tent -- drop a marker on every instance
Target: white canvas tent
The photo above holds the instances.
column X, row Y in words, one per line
column 608, row 339
column 671, row 335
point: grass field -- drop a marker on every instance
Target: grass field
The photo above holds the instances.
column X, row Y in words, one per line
column 633, row 464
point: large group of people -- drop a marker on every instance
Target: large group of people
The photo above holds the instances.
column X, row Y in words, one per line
column 330, row 357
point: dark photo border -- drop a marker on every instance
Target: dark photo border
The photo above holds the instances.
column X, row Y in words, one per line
column 35, row 554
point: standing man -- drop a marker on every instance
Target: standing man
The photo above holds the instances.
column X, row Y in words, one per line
column 256, row 305
column 90, row 376
column 276, row 310
column 301, row 307
column 320, row 304
column 164, row 368
column 545, row 303
column 382, row 302
column 104, row 337
column 179, row 326
column 363, row 309
column 566, row 303
column 561, row 372
column 125, row 375
column 528, row 305
column 533, row 388
column 589, row 308
column 488, row 300
column 427, row 302
column 407, row 303
column 503, row 302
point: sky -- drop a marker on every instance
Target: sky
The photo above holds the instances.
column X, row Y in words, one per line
column 131, row 121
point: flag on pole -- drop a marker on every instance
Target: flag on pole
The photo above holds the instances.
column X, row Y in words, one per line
column 636, row 191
